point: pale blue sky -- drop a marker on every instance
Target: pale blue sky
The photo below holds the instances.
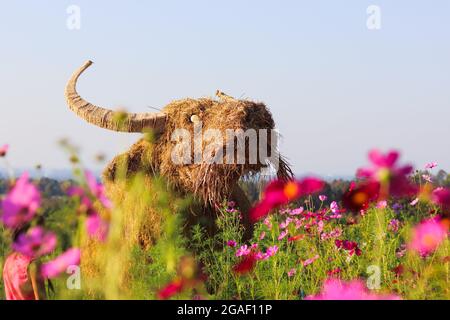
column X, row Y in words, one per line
column 335, row 88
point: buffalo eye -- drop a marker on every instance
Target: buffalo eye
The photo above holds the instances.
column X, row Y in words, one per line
column 195, row 118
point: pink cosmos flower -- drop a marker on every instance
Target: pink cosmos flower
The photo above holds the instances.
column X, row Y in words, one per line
column 310, row 260
column 320, row 226
column 441, row 197
column 231, row 204
column 394, row 225
column 268, row 223
column 381, row 204
column 400, row 251
column 334, row 207
column 35, row 242
column 4, row 150
column 350, row 246
column 333, row 234
column 271, row 251
column 427, row 178
column 21, row 203
column 85, row 203
column 171, row 289
column 246, row 265
column 323, row 197
column 260, row 255
column 97, row 189
column 97, row 227
column 292, row 272
column 285, row 223
column 333, row 272
column 431, row 165
column 298, row 223
column 335, row 289
column 385, row 171
column 281, row 192
column 427, row 236
column 282, row 235
column 243, row 251
column 297, row 211
column 231, row 243
column 60, row 264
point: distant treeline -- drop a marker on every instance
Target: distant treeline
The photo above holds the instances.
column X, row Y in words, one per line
column 253, row 186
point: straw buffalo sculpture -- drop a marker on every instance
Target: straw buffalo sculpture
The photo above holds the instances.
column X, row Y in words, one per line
column 210, row 183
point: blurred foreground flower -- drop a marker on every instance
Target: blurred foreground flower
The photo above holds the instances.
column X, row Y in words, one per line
column 428, row 235
column 35, row 242
column 360, row 197
column 97, row 227
column 189, row 275
column 335, row 289
column 4, row 150
column 60, row 264
column 441, row 197
column 393, row 179
column 97, row 190
column 171, row 289
column 281, row 192
column 21, row 203
column 246, row 265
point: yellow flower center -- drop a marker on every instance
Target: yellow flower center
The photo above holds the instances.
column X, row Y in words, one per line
column 429, row 240
column 360, row 198
column 291, row 190
column 384, row 175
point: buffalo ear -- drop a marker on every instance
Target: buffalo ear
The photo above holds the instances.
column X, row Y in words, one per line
column 138, row 159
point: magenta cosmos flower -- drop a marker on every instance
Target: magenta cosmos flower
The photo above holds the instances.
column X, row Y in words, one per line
column 243, row 251
column 231, row 243
column 97, row 227
column 431, row 165
column 394, row 225
column 271, row 251
column 335, row 289
column 309, row 261
column 350, row 246
column 97, row 189
column 4, row 150
column 281, row 192
column 35, row 242
column 21, row 203
column 171, row 289
column 441, row 196
column 427, row 236
column 60, row 264
column 385, row 171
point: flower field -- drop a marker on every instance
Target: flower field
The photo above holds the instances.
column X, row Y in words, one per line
column 384, row 237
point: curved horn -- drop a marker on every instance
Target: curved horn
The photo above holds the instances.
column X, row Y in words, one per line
column 108, row 119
